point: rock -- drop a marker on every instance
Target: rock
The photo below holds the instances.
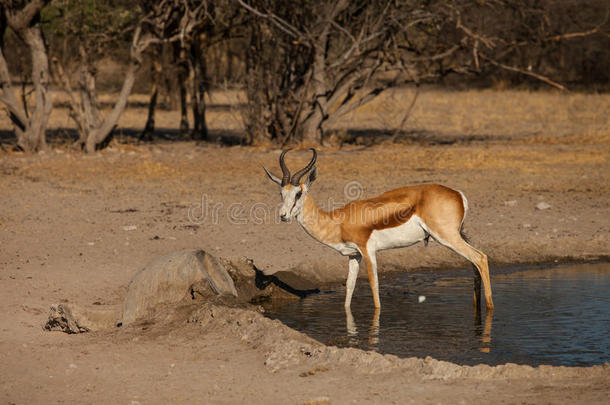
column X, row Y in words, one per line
column 542, row 206
column 74, row 319
column 61, row 319
column 169, row 279
column 510, row 203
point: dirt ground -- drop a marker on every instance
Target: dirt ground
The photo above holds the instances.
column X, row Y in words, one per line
column 74, row 228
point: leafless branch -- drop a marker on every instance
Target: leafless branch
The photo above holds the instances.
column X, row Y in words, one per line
column 75, row 109
column 571, row 35
column 405, row 117
column 297, row 114
column 277, row 21
column 15, row 112
column 489, row 43
column 524, row 72
column 437, row 56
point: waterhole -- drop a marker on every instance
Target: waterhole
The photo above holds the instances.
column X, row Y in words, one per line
column 556, row 316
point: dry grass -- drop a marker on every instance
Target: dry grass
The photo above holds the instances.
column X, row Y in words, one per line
column 539, row 117
column 522, row 116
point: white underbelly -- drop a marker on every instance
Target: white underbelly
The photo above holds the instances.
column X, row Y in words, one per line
column 403, row 235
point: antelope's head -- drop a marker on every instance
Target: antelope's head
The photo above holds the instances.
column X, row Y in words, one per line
column 294, row 188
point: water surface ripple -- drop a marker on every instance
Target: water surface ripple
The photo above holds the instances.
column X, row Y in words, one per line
column 557, row 316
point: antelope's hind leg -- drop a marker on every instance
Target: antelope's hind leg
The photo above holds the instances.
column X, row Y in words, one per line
column 371, row 268
column 454, row 241
column 477, row 288
column 479, row 260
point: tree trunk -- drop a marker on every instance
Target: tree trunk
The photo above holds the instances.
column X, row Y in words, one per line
column 183, row 76
column 311, row 128
column 258, row 114
column 29, row 129
column 149, row 128
column 184, row 120
column 97, row 136
column 89, row 109
column 199, row 88
column 34, row 138
column 312, row 125
column 102, row 133
column 156, row 71
column 17, row 114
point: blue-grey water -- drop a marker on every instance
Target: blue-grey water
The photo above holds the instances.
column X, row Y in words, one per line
column 557, row 316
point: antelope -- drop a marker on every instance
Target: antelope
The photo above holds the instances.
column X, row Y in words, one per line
column 395, row 219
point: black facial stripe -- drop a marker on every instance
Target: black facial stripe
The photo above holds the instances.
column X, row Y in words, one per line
column 296, row 198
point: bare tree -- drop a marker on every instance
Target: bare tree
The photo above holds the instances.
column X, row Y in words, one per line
column 532, row 40
column 169, row 22
column 94, row 40
column 175, row 28
column 189, row 28
column 169, row 68
column 30, row 122
column 310, row 62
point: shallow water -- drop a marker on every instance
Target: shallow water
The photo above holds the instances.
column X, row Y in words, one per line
column 557, row 316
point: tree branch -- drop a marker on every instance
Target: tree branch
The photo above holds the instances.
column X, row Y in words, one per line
column 76, row 111
column 20, row 20
column 485, row 41
column 8, row 97
column 437, row 56
column 524, row 72
column 277, row 21
column 405, row 117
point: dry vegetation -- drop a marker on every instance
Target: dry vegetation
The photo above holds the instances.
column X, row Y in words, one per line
column 459, row 118
column 522, row 116
column 438, row 115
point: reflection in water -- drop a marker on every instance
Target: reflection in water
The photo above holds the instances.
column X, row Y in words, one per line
column 352, row 329
column 483, row 332
column 559, row 316
column 374, row 330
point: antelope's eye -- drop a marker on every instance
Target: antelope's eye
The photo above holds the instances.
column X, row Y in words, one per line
column 299, row 194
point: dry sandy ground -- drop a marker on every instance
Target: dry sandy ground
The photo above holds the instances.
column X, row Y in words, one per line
column 67, row 235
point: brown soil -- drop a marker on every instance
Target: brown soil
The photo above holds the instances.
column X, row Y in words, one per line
column 67, row 235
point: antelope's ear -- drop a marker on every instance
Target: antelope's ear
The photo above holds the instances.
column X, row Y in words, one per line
column 272, row 177
column 313, row 174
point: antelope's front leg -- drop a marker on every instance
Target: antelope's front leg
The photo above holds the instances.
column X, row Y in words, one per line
column 352, row 275
column 350, row 324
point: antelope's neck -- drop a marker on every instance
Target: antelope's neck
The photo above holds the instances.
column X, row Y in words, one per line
column 318, row 223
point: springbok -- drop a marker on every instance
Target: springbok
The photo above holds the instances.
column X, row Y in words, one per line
column 396, row 218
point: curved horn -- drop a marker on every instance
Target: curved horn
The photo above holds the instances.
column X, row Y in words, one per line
column 285, row 171
column 297, row 176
